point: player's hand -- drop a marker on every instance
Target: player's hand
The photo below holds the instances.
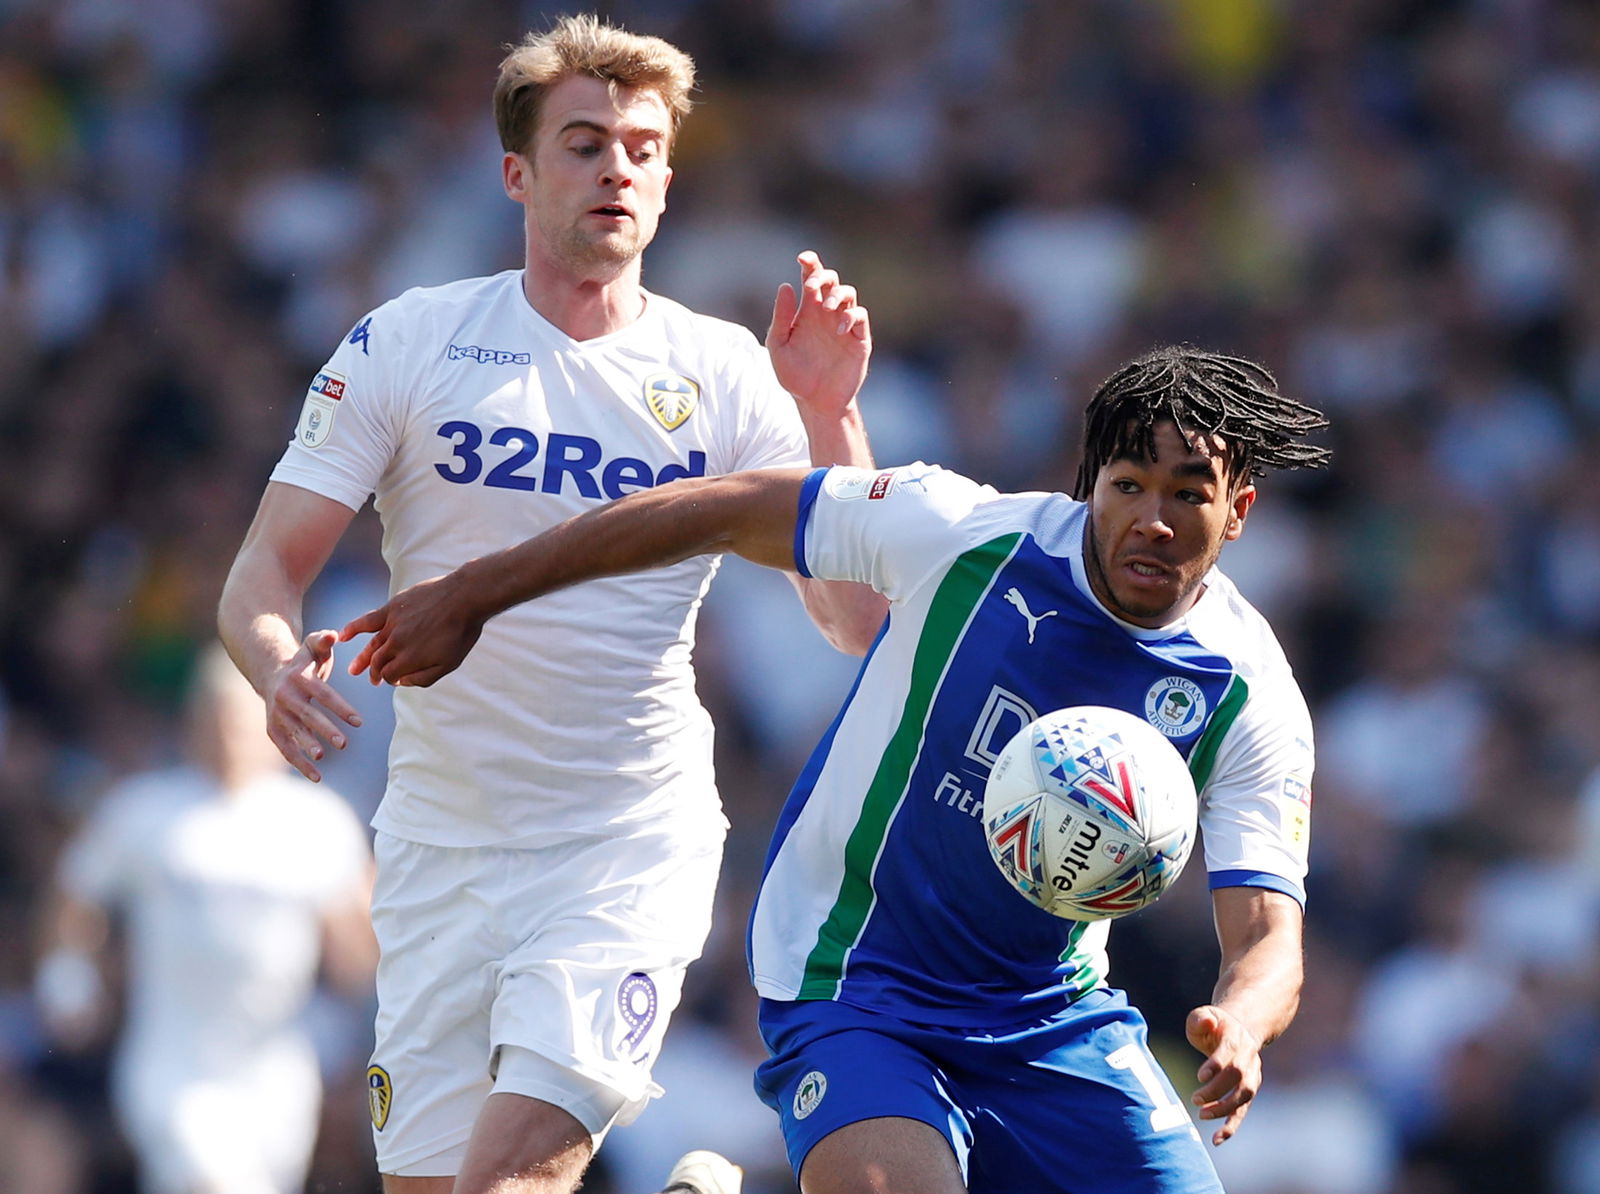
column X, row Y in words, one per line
column 420, row 635
column 299, row 699
column 1231, row 1073
column 820, row 339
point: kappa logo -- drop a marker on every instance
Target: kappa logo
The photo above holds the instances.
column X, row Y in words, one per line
column 1014, row 597
column 1175, row 706
column 360, row 334
column 487, row 356
column 808, row 1095
column 380, row 1095
column 671, row 398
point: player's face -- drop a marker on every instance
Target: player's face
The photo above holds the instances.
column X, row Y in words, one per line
column 1157, row 526
column 594, row 180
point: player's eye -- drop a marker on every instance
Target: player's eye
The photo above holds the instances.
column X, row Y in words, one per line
column 1124, row 485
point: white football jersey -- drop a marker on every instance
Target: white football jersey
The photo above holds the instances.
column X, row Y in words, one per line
column 477, row 424
column 880, row 890
column 224, row 901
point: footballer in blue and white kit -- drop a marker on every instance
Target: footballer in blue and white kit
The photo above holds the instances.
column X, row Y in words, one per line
column 883, row 935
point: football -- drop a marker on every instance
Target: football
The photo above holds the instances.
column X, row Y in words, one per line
column 1090, row 813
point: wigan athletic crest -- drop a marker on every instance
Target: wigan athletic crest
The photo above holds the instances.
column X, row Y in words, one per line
column 671, row 398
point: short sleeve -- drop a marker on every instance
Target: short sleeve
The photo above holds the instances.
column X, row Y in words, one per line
column 889, row 528
column 1255, row 812
column 349, row 422
column 101, row 864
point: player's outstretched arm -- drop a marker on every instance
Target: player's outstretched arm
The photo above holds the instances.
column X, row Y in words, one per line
column 820, row 341
column 424, row 632
column 259, row 621
column 1256, row 997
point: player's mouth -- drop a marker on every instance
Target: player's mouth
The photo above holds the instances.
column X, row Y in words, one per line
column 611, row 211
column 1143, row 569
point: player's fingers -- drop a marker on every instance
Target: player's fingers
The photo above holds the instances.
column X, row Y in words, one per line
column 809, row 261
column 855, row 322
column 382, row 660
column 1231, row 1124
column 319, row 643
column 363, row 656
column 422, row 678
column 289, row 747
column 322, row 729
column 820, row 283
column 840, row 297
column 1203, row 1027
column 368, row 623
column 784, row 307
column 330, row 698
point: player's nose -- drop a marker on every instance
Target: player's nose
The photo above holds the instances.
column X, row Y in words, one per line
column 1151, row 519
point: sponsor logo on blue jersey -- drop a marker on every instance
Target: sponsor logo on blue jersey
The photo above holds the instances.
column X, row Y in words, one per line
column 360, row 334
column 486, row 356
column 526, row 462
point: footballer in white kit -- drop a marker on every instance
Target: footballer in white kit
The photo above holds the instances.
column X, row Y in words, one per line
column 216, row 1081
column 574, row 735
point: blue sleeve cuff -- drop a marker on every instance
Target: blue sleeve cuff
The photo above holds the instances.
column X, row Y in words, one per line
column 808, row 499
column 1258, row 879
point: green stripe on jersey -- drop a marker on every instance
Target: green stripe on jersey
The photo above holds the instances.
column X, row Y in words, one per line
column 1204, row 756
column 954, row 603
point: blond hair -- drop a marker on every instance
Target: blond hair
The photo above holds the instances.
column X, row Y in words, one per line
column 585, row 45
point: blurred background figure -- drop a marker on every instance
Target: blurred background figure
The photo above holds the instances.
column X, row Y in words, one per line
column 232, row 880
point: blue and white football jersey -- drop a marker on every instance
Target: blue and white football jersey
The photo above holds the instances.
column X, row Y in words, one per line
column 879, row 889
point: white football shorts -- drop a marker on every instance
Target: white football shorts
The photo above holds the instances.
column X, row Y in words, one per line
column 247, row 1122
column 574, row 953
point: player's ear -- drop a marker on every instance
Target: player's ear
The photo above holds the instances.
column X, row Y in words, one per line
column 515, row 173
column 1239, row 508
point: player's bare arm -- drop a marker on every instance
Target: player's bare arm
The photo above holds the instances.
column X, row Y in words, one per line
column 424, row 632
column 1256, row 997
column 259, row 620
column 820, row 341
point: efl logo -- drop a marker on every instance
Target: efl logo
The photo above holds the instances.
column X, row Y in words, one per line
column 329, row 385
column 881, row 485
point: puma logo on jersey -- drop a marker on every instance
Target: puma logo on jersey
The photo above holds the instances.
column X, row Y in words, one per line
column 1015, row 598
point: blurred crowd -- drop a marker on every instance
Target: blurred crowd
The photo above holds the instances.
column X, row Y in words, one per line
column 1394, row 203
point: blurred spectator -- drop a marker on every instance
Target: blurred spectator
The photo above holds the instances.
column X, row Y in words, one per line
column 233, row 878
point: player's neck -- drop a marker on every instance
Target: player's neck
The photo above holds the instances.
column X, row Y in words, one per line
column 584, row 307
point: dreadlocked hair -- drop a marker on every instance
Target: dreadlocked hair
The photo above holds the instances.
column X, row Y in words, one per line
column 1230, row 397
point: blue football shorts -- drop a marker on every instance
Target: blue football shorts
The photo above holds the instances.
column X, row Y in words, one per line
column 1075, row 1104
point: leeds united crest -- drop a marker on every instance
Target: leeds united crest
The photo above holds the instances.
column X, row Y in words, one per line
column 671, row 398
